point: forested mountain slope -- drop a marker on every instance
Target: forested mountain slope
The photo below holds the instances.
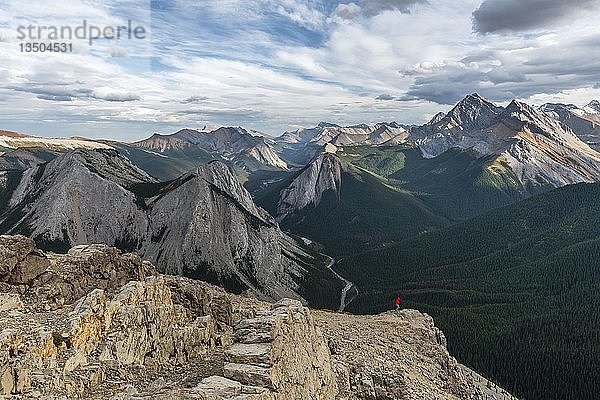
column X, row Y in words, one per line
column 517, row 290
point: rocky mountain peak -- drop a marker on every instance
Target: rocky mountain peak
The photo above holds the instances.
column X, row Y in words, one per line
column 204, row 224
column 594, row 105
column 436, row 118
column 107, row 163
column 324, row 124
column 322, row 174
column 73, row 172
column 230, row 143
column 549, row 107
column 474, row 100
column 519, row 115
column 470, row 113
column 361, row 134
column 222, row 178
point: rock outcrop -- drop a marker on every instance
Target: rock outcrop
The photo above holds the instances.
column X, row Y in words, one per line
column 397, row 355
column 120, row 331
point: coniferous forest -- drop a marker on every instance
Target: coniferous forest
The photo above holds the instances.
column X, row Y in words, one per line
column 516, row 290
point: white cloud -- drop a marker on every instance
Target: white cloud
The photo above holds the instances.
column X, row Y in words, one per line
column 248, row 76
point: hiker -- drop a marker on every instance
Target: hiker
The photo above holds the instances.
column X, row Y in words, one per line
column 398, row 303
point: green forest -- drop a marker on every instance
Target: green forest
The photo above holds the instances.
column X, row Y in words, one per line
column 516, row 290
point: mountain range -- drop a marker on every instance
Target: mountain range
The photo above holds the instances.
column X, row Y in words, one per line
column 482, row 217
column 233, row 144
column 203, row 224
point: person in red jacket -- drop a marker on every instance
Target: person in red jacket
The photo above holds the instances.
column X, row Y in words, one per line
column 398, row 303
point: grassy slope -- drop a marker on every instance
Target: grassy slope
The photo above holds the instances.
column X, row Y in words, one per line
column 515, row 290
column 456, row 184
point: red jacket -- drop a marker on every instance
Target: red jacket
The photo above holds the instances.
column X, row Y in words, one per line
column 398, row 300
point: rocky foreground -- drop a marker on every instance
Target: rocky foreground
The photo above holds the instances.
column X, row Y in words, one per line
column 98, row 324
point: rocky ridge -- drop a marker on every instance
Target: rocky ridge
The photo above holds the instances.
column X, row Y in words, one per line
column 584, row 121
column 540, row 150
column 99, row 324
column 13, row 140
column 538, row 145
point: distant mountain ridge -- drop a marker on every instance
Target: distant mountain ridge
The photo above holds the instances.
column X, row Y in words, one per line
column 584, row 121
column 363, row 134
column 538, row 148
column 228, row 142
column 14, row 140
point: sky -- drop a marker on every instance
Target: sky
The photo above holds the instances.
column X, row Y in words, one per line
column 277, row 65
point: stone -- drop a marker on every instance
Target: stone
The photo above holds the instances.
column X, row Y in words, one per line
column 249, row 374
column 10, row 302
column 254, row 354
column 220, row 386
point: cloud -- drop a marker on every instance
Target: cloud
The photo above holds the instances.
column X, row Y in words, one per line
column 194, row 100
column 226, row 116
column 371, row 8
column 544, row 71
column 74, row 91
column 347, row 11
column 524, row 15
column 253, row 62
column 376, row 7
column 53, row 91
column 54, row 98
column 304, row 13
column 109, row 94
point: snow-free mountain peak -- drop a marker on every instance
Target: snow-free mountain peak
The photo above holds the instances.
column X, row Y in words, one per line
column 323, row 173
column 229, row 143
column 472, row 112
column 361, row 134
column 593, row 105
column 436, row 118
column 539, row 148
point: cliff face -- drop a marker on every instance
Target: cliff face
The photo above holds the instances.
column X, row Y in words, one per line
column 396, row 355
column 98, row 324
column 207, row 226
